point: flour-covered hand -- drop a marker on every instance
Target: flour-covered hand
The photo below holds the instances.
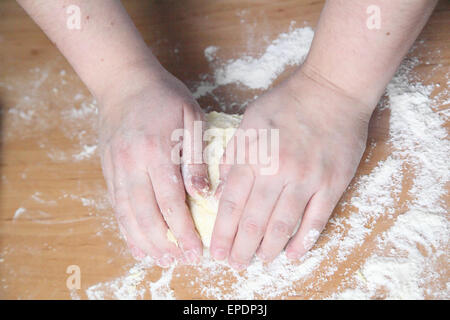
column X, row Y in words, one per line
column 322, row 136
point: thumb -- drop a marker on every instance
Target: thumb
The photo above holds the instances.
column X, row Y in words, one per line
column 194, row 168
column 225, row 166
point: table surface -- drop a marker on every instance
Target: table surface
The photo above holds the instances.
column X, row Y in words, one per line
column 53, row 207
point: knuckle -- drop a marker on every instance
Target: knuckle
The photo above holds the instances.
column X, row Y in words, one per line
column 297, row 170
column 252, row 227
column 230, row 207
column 152, row 142
column 318, row 223
column 145, row 221
column 281, row 229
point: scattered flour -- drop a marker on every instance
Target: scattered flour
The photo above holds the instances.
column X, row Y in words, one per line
column 123, row 288
column 160, row 289
column 18, row 213
column 86, row 153
column 287, row 50
column 36, row 115
column 417, row 237
column 258, row 73
column 210, row 53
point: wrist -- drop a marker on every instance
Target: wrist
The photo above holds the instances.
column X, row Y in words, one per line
column 128, row 80
column 312, row 90
column 364, row 99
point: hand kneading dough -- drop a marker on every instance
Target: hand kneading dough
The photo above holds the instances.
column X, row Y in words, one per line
column 220, row 127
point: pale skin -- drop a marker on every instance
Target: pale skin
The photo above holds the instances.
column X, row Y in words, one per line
column 322, row 112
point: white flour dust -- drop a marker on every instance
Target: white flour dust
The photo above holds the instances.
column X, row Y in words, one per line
column 258, row 73
column 288, row 49
column 34, row 115
column 416, row 240
column 123, row 287
column 411, row 251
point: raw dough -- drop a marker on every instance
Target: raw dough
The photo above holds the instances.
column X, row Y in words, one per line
column 220, row 127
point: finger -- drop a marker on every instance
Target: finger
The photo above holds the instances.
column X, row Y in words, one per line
column 316, row 216
column 137, row 253
column 195, row 170
column 171, row 199
column 126, row 219
column 254, row 220
column 226, row 163
column 231, row 205
column 108, row 173
column 283, row 221
column 149, row 218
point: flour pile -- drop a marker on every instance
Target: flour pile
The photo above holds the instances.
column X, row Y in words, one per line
column 410, row 246
column 288, row 49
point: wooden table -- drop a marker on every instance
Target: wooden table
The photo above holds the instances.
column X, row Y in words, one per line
column 53, row 207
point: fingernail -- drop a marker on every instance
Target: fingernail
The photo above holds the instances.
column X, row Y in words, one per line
column 219, row 254
column 201, row 184
column 238, row 266
column 192, row 256
column 165, row 261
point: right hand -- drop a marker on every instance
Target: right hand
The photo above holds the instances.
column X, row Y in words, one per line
column 145, row 186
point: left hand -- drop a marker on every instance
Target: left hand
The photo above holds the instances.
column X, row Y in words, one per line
column 322, row 136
